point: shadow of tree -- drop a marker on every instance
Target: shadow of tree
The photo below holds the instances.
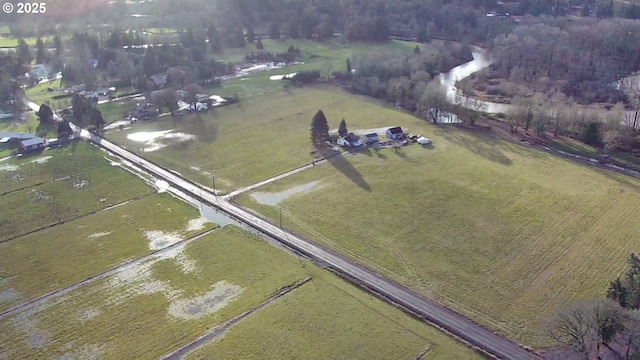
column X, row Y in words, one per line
column 203, row 127
column 43, row 129
column 376, row 149
column 361, row 150
column 344, row 166
column 485, row 146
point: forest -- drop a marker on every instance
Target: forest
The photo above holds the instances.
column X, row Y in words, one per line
column 581, row 58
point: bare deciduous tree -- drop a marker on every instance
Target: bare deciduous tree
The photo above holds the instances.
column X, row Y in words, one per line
column 572, row 326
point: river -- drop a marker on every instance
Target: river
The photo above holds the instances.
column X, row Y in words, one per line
column 482, row 60
column 448, row 81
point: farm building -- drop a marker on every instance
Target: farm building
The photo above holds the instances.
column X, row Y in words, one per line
column 31, row 145
column 371, row 138
column 395, row 133
column 26, row 142
column 350, row 140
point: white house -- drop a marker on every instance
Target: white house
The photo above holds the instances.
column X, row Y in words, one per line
column 395, row 133
column 350, row 140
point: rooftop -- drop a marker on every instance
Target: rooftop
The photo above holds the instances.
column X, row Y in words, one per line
column 32, row 141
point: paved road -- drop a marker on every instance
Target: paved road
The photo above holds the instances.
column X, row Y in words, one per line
column 429, row 310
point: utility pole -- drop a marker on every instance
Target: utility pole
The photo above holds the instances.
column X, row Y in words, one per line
column 280, row 216
column 213, row 184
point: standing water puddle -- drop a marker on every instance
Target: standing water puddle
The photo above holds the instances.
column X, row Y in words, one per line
column 273, row 199
column 153, row 140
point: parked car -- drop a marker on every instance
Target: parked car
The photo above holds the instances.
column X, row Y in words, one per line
column 198, row 107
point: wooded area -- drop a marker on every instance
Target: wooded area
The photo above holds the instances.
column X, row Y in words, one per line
column 581, row 58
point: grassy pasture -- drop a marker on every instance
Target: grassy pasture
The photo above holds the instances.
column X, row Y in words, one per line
column 115, row 110
column 241, row 143
column 39, row 93
column 57, row 257
column 259, row 138
column 50, row 165
column 131, row 315
column 326, row 57
column 500, row 232
column 83, row 192
column 329, row 319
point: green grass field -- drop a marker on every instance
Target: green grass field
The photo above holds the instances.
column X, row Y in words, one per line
column 39, row 93
column 500, row 232
column 34, row 199
column 256, row 139
column 70, row 159
column 114, row 111
column 329, row 319
column 57, row 257
column 143, row 312
column 323, row 56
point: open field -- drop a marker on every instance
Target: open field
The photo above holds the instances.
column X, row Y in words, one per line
column 60, row 256
column 499, row 232
column 39, row 93
column 167, row 301
column 255, row 139
column 329, row 319
column 70, row 159
column 115, row 110
column 35, row 208
column 323, row 56
column 33, row 200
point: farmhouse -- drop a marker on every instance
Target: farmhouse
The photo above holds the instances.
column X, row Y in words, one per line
column 350, row 140
column 371, row 138
column 395, row 133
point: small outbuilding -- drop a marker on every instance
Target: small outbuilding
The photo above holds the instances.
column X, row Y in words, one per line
column 31, row 145
column 424, row 140
column 371, row 138
column 350, row 140
column 395, row 133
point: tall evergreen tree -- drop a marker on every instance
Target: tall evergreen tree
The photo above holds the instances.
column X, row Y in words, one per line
column 251, row 35
column 342, row 130
column 319, row 129
column 215, row 39
column 274, row 29
column 41, row 52
column 24, row 51
column 57, row 43
column 45, row 114
column 95, row 118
